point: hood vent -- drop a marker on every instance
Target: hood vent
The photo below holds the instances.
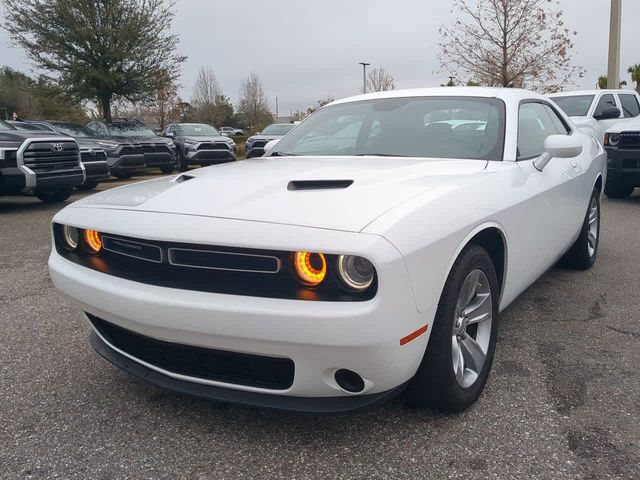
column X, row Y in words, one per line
column 318, row 184
column 183, row 178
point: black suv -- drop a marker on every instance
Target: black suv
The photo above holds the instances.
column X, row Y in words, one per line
column 158, row 152
column 200, row 144
column 45, row 164
column 92, row 154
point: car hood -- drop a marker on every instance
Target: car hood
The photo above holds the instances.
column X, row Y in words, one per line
column 264, row 137
column 86, row 143
column 628, row 125
column 262, row 191
column 21, row 135
column 140, row 140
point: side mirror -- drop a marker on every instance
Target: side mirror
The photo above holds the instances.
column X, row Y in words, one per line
column 608, row 113
column 558, row 146
column 169, row 134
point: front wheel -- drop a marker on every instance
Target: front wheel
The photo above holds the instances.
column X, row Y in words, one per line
column 460, row 352
column 582, row 254
column 55, row 196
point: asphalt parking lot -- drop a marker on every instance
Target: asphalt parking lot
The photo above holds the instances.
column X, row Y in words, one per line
column 563, row 401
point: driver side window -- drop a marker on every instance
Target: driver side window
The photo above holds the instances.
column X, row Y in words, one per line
column 535, row 124
column 606, row 101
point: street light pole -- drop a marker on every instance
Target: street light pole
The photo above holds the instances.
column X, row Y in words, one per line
column 613, row 75
column 364, row 76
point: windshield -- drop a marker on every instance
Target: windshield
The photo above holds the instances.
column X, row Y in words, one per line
column 5, row 126
column 575, row 106
column 131, row 130
column 24, row 126
column 74, row 130
column 436, row 127
column 278, row 129
column 198, row 130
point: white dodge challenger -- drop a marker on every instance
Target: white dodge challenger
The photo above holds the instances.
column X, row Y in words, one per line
column 369, row 254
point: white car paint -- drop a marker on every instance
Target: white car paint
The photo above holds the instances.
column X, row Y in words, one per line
column 587, row 123
column 411, row 217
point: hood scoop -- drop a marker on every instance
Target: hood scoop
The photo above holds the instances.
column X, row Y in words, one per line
column 319, row 184
column 183, row 178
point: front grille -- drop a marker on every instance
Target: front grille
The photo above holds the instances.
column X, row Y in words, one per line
column 93, row 156
column 213, row 146
column 631, row 163
column 155, row 148
column 131, row 150
column 629, row 140
column 204, row 363
column 258, row 144
column 51, row 158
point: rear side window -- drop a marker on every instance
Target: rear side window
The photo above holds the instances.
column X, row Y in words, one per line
column 607, row 101
column 630, row 106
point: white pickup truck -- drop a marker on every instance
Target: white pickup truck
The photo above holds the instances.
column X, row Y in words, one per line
column 595, row 111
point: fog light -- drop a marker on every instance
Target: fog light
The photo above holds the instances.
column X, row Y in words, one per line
column 310, row 268
column 93, row 240
column 349, row 381
column 356, row 273
column 71, row 237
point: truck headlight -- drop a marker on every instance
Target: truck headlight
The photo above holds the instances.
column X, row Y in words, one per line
column 614, row 139
column 356, row 273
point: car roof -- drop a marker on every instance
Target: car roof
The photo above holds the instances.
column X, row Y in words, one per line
column 486, row 92
column 575, row 93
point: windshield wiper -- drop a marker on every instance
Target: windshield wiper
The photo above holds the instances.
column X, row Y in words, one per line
column 282, row 154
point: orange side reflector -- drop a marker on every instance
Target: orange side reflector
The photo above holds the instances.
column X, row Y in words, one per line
column 414, row 335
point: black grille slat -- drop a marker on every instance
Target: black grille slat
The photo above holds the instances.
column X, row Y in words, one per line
column 155, row 148
column 258, row 144
column 235, row 368
column 43, row 158
column 630, row 140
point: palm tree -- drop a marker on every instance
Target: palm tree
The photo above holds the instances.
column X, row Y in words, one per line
column 602, row 82
column 635, row 75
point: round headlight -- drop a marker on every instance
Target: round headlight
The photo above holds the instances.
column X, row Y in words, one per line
column 356, row 273
column 614, row 139
column 310, row 268
column 71, row 237
column 93, row 240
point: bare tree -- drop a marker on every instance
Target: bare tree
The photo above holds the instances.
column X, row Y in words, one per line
column 164, row 107
column 254, row 105
column 205, row 93
column 379, row 80
column 510, row 43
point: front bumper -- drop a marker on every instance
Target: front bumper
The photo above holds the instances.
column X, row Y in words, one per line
column 209, row 157
column 319, row 337
column 126, row 163
column 623, row 166
column 12, row 180
column 255, row 152
column 97, row 171
column 157, row 160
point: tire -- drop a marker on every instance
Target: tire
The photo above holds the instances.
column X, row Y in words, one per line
column 618, row 191
column 86, row 186
column 436, row 385
column 123, row 175
column 167, row 169
column 55, row 196
column 582, row 254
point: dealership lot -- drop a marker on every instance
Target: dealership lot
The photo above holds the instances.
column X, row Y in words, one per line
column 563, row 400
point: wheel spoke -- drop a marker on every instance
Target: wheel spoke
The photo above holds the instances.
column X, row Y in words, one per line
column 472, row 354
column 592, row 240
column 469, row 288
column 480, row 309
column 459, row 364
column 593, row 216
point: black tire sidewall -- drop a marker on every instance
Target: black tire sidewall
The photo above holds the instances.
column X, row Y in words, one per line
column 435, row 384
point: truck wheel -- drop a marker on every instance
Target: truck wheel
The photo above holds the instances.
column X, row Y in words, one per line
column 55, row 196
column 618, row 191
column 582, row 254
column 460, row 352
column 122, row 175
column 167, row 169
column 86, row 186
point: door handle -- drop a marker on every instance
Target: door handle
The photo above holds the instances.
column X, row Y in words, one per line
column 574, row 164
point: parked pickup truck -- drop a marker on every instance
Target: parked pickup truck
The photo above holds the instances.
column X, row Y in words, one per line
column 622, row 142
column 45, row 164
column 595, row 111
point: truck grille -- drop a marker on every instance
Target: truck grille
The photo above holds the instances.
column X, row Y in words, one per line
column 630, row 140
column 131, row 150
column 51, row 158
column 155, row 148
column 205, row 363
column 213, row 146
column 93, row 156
column 258, row 144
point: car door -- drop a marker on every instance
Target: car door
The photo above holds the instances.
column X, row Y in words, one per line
column 554, row 217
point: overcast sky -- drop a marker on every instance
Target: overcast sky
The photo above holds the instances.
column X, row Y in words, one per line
column 305, row 50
